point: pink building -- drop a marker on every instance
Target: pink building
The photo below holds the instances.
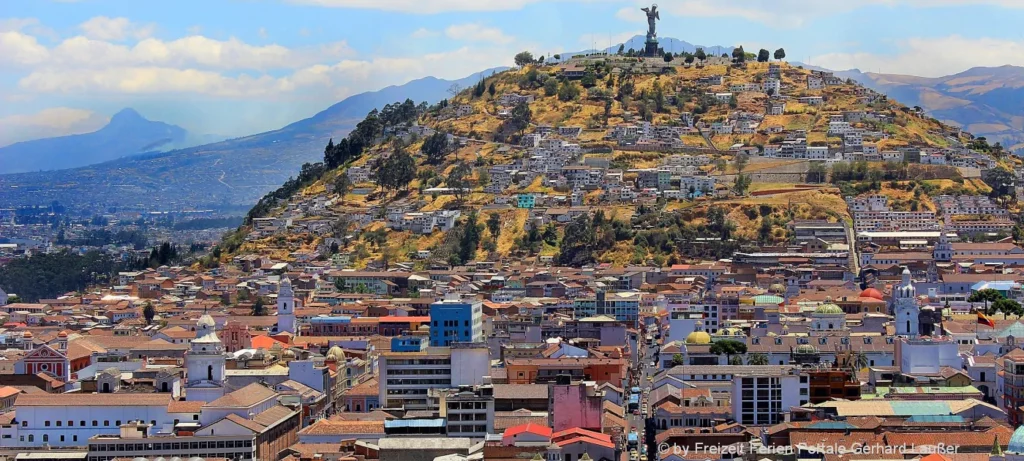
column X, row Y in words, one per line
column 575, row 406
column 236, row 337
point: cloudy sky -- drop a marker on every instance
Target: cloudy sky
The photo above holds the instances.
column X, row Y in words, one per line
column 237, row 67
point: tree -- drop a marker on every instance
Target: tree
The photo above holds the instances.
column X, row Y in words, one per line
column 733, row 102
column 757, row 358
column 342, row 186
column 741, row 184
column 492, row 89
column 622, row 49
column 817, row 172
column 669, row 57
column 494, row 224
column 738, row 55
column 578, row 243
column 764, row 232
column 521, row 117
column 1000, row 180
column 780, row 54
column 986, row 296
column 523, row 58
column 762, row 56
column 720, row 164
column 568, row 91
column 688, row 59
column 470, row 239
column 700, row 54
column 258, row 310
column 589, row 79
column 678, row 360
column 458, row 180
column 435, row 147
column 557, row 57
column 148, row 312
column 329, row 151
column 550, row 87
column 728, row 347
column 479, row 89
column 395, row 171
column 740, row 162
column 1007, row 307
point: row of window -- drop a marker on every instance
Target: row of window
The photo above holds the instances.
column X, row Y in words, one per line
column 95, row 423
column 171, row 445
column 46, row 438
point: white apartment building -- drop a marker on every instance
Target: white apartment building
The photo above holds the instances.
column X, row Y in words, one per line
column 763, row 394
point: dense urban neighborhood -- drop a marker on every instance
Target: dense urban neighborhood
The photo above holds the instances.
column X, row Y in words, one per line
column 631, row 256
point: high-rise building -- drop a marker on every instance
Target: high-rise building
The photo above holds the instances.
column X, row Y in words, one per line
column 456, row 321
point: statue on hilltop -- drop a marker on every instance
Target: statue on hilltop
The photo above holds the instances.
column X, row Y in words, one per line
column 652, row 15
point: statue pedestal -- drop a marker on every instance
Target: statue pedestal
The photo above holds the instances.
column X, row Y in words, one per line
column 651, row 49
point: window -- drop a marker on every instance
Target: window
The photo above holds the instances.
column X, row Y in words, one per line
column 46, row 438
column 46, row 423
column 94, row 423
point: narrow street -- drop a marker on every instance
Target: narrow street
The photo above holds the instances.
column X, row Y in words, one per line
column 639, row 421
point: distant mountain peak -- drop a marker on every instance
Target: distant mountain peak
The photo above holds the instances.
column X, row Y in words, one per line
column 127, row 115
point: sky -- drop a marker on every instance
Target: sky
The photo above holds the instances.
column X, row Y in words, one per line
column 238, row 67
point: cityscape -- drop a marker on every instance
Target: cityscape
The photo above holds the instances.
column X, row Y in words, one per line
column 650, row 251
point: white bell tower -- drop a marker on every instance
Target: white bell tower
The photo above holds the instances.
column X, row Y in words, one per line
column 205, row 363
column 286, row 307
column 905, row 306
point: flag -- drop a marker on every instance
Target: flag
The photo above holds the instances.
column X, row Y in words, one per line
column 985, row 320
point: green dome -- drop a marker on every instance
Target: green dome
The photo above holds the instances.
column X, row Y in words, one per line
column 805, row 349
column 766, row 300
column 828, row 308
column 698, row 337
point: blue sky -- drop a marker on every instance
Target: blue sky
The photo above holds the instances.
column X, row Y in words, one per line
column 237, row 67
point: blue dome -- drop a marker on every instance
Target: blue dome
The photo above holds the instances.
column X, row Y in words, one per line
column 1016, row 445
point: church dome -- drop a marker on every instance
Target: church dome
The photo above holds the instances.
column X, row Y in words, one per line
column 698, row 337
column 206, row 321
column 289, row 354
column 777, row 288
column 335, row 353
column 1016, row 445
column 872, row 293
column 62, row 334
column 805, row 349
column 27, row 335
column 828, row 308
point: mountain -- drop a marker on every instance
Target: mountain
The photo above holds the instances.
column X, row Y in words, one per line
column 637, row 42
column 127, row 133
column 987, row 101
column 227, row 173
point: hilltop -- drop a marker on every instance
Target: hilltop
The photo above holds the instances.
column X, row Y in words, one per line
column 608, row 159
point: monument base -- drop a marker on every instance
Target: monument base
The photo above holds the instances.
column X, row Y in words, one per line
column 652, row 48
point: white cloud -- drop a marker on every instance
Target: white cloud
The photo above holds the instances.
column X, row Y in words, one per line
column 19, row 49
column 56, row 121
column 263, row 32
column 196, row 50
column 149, row 80
column 423, row 32
column 931, row 57
column 115, row 29
column 477, row 32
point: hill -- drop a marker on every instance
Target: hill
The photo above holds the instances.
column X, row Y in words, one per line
column 534, row 154
column 207, row 176
column 127, row 133
column 986, row 101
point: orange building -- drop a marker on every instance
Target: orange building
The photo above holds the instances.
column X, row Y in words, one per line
column 545, row 370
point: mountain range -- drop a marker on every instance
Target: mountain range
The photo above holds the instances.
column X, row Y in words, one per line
column 235, row 172
column 127, row 133
column 986, row 101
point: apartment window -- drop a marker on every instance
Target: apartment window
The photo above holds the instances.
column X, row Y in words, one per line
column 94, row 423
column 71, row 423
column 46, row 423
column 82, row 423
column 46, row 437
column 24, row 424
column 106, row 422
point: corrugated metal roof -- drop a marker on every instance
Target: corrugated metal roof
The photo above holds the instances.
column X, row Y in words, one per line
column 414, row 423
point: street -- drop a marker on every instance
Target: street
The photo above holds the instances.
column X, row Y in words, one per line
column 640, row 422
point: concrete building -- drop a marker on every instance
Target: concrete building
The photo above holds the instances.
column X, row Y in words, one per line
column 455, row 321
column 406, row 376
